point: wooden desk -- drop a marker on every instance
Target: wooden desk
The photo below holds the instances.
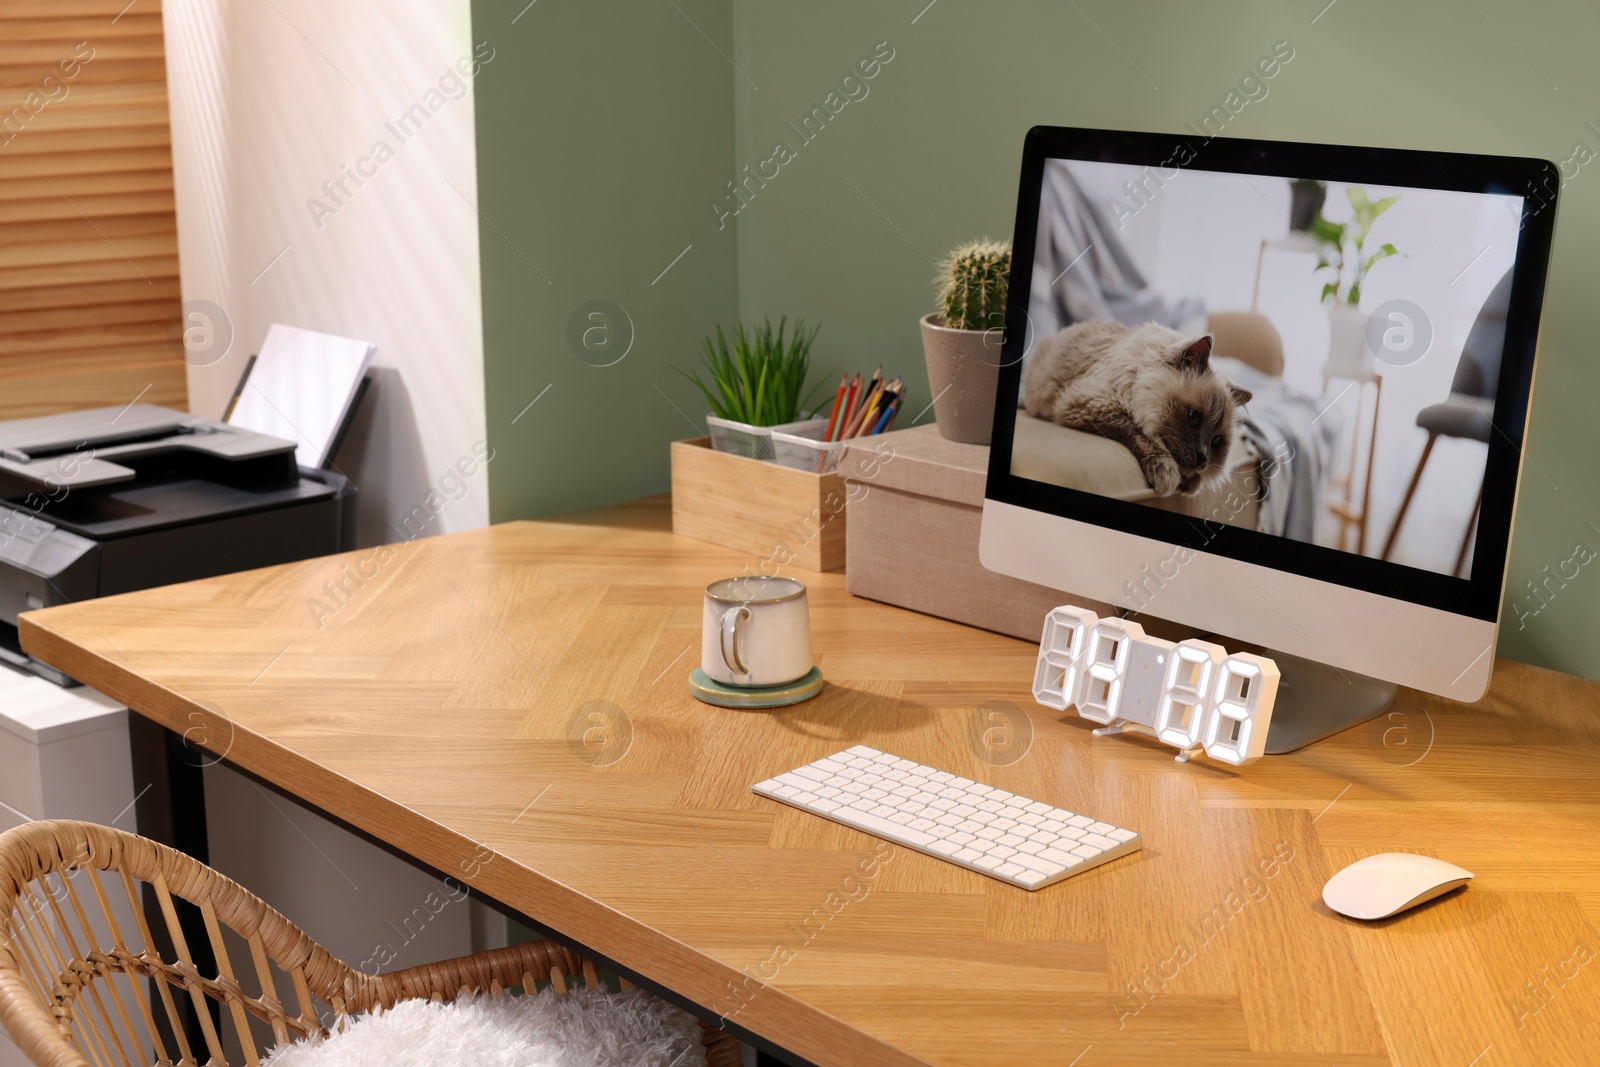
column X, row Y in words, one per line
column 523, row 687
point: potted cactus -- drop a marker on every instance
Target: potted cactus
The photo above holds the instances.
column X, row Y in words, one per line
column 961, row 341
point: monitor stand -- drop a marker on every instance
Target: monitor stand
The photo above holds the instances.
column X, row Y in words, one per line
column 1316, row 701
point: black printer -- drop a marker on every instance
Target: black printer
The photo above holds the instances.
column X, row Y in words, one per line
column 114, row 499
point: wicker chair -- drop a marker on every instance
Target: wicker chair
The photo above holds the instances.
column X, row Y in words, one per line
column 60, row 1004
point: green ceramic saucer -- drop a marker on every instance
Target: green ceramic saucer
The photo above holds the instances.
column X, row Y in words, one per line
column 770, row 696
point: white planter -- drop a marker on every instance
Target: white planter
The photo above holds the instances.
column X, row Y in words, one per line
column 1348, row 354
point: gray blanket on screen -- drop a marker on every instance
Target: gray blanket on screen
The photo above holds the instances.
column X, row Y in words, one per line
column 1295, row 435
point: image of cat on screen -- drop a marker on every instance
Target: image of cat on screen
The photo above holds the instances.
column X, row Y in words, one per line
column 1148, row 388
column 1222, row 346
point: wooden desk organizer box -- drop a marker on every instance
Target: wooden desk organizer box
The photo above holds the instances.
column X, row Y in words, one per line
column 788, row 517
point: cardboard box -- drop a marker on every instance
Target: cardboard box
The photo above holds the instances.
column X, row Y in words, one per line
column 788, row 517
column 916, row 509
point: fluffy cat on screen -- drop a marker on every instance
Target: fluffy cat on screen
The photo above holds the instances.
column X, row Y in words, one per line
column 1146, row 387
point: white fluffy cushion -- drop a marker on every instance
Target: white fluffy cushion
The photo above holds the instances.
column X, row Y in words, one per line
column 583, row 1028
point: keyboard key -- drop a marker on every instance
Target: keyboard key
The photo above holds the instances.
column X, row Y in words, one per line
column 1088, row 852
column 1030, row 878
column 1063, row 859
column 967, row 855
column 1034, row 863
column 944, row 848
column 828, row 765
column 1120, row 835
column 816, row 774
column 1099, row 842
column 1038, row 808
column 1080, row 821
column 1101, row 827
column 823, row 806
column 1010, row 870
column 1011, row 840
column 922, row 824
column 988, row 863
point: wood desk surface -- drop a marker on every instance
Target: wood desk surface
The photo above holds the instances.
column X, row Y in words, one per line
column 510, row 706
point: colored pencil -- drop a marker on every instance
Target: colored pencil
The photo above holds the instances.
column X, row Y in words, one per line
column 851, row 396
column 868, row 409
column 868, row 390
column 891, row 393
column 888, row 414
column 838, row 400
column 899, row 402
column 853, row 427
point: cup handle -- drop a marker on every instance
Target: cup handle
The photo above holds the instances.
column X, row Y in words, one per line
column 732, row 630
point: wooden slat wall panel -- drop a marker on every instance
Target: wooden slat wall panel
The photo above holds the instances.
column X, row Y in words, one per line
column 89, row 295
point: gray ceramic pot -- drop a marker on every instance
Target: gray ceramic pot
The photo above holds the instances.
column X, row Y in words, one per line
column 963, row 373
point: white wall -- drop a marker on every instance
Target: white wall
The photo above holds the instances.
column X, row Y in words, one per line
column 269, row 102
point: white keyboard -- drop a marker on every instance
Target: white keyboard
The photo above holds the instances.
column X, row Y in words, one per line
column 1024, row 842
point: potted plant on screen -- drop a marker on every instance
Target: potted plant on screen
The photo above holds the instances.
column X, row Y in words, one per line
column 756, row 385
column 962, row 340
column 1306, row 197
column 1343, row 252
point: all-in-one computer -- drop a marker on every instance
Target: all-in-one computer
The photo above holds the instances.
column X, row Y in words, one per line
column 1276, row 392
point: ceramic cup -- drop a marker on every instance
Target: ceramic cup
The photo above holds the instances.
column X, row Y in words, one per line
column 757, row 632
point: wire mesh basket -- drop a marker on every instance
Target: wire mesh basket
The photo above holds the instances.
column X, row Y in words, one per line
column 755, row 442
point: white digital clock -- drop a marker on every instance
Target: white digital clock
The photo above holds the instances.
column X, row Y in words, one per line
column 1192, row 695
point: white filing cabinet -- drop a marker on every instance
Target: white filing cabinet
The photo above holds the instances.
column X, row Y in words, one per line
column 63, row 755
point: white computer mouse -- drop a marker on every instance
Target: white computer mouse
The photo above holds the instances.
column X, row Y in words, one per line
column 1390, row 882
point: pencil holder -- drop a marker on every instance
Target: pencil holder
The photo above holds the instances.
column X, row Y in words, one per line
column 806, row 453
column 755, row 442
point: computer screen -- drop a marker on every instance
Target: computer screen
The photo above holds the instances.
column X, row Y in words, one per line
column 1279, row 390
column 1372, row 294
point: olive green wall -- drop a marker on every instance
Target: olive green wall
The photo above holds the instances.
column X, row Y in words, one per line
column 602, row 125
column 929, row 157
